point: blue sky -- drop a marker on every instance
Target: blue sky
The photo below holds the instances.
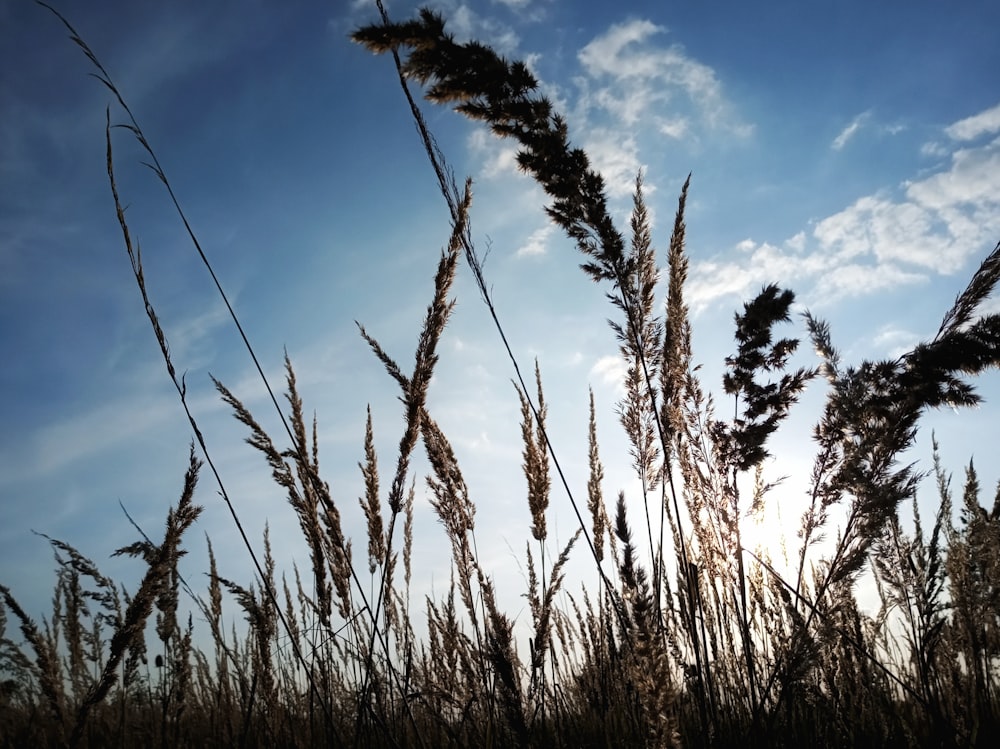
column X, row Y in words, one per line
column 849, row 151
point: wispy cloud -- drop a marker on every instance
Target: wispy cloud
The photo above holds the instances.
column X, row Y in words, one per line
column 175, row 45
column 932, row 225
column 609, row 370
column 536, row 243
column 616, row 158
column 861, row 279
column 630, row 86
column 633, row 75
column 85, row 435
column 467, row 24
column 850, row 131
column 933, row 149
column 497, row 157
column 677, row 128
column 893, row 341
column 986, row 122
column 633, row 86
column 865, row 121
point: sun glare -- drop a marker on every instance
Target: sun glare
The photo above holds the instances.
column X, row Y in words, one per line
column 765, row 535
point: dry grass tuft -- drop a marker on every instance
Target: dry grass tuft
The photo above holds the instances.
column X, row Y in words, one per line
column 682, row 637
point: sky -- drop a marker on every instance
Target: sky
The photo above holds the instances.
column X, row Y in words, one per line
column 849, row 151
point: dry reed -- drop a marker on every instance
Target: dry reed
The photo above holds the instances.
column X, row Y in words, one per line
column 685, row 638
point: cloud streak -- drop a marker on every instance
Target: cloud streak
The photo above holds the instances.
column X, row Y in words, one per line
column 536, row 243
column 850, row 131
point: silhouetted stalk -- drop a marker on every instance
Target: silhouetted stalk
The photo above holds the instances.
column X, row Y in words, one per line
column 448, row 190
column 859, row 647
column 135, row 258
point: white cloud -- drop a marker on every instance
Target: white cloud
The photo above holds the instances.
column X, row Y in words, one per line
column 498, row 157
column 610, row 370
column 675, row 128
column 986, row 122
column 536, row 242
column 759, row 264
column 465, row 24
column 894, row 342
column 933, row 148
column 481, row 442
column 859, row 280
column 711, row 280
column 616, row 158
column 644, row 75
column 972, row 180
column 462, row 21
column 905, row 232
column 860, row 122
column 796, row 243
column 628, row 105
column 879, row 242
column 629, row 88
column 604, row 55
column 850, row 131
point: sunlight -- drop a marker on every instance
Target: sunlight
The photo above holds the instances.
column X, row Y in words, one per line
column 765, row 534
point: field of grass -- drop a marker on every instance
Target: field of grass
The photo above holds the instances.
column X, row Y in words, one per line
column 703, row 643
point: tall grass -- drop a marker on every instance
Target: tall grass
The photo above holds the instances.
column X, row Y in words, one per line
column 699, row 642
